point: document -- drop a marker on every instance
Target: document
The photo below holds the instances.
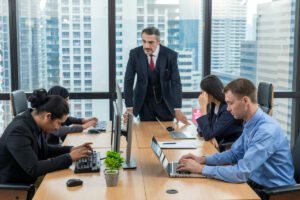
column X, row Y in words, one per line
column 183, row 144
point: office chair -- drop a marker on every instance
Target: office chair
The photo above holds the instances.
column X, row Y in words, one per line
column 14, row 191
column 290, row 191
column 265, row 97
column 18, row 101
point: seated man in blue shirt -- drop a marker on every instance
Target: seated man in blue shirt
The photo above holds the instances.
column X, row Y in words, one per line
column 261, row 155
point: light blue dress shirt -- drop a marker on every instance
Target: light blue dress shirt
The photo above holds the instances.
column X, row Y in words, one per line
column 261, row 153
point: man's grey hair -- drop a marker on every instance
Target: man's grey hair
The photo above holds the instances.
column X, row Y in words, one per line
column 152, row 31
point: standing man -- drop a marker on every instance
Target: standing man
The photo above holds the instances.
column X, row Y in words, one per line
column 260, row 156
column 157, row 91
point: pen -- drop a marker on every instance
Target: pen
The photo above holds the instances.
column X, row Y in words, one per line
column 169, row 143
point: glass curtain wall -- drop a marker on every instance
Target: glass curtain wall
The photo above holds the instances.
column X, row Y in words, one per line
column 255, row 39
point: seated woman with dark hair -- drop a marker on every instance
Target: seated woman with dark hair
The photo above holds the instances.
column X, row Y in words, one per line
column 24, row 153
column 216, row 123
column 54, row 136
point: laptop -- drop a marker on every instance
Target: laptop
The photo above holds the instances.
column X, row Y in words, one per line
column 178, row 135
column 170, row 167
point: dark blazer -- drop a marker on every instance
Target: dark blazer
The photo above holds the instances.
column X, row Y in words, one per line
column 169, row 79
column 22, row 159
column 64, row 129
column 222, row 126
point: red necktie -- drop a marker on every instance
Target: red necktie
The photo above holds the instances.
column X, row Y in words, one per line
column 151, row 63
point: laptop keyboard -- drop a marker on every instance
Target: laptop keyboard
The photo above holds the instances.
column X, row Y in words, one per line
column 101, row 125
column 174, row 167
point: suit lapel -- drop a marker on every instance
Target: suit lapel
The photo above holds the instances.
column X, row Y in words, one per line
column 161, row 62
column 143, row 63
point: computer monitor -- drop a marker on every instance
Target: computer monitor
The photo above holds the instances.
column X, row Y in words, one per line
column 116, row 129
column 129, row 162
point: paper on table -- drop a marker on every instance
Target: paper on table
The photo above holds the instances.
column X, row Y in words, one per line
column 183, row 144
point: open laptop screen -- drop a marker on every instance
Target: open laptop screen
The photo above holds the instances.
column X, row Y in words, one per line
column 155, row 147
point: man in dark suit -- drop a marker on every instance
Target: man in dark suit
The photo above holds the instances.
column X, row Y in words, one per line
column 158, row 90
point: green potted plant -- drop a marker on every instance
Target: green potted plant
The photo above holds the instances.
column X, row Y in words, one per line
column 112, row 162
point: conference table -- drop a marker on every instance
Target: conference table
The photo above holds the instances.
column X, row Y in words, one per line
column 148, row 180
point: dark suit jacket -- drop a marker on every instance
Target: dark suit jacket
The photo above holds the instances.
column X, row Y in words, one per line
column 21, row 158
column 169, row 79
column 223, row 126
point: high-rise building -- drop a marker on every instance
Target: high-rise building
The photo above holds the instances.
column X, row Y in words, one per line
column 249, row 60
column 275, row 43
column 228, row 31
column 4, row 64
column 31, row 40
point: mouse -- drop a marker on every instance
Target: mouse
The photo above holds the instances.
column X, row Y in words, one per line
column 170, row 128
column 93, row 131
column 74, row 182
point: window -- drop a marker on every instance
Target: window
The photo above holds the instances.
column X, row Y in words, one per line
column 260, row 49
column 76, row 42
column 66, row 66
column 87, row 18
column 77, row 75
column 76, row 50
column 65, row 42
column 66, row 51
column 65, row 19
column 88, row 82
column 76, row 19
column 76, row 26
column 77, row 82
column 66, row 59
column 87, row 58
column 65, row 34
column 76, row 58
column 88, row 74
column 76, row 10
column 65, row 26
column 87, row 27
column 87, row 50
column 64, row 10
column 76, row 34
column 77, row 66
column 87, row 42
column 86, row 10
column 66, row 74
column 87, row 66
column 87, row 34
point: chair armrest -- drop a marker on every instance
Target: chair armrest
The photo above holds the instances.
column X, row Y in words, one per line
column 282, row 189
column 17, row 187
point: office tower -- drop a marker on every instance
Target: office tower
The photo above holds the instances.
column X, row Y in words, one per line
column 275, row 39
column 186, row 66
column 249, row 60
column 190, row 32
column 31, row 40
column 4, row 65
column 125, row 40
column 83, row 55
column 228, row 31
column 52, row 43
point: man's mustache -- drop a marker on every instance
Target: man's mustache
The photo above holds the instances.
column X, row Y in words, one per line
column 147, row 49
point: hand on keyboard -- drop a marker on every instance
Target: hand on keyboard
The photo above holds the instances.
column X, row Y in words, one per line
column 81, row 151
column 89, row 164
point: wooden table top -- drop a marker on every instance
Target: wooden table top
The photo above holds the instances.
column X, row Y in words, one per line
column 148, row 180
column 130, row 184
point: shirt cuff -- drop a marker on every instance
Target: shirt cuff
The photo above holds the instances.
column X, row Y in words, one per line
column 209, row 160
column 177, row 108
column 69, row 158
column 208, row 170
